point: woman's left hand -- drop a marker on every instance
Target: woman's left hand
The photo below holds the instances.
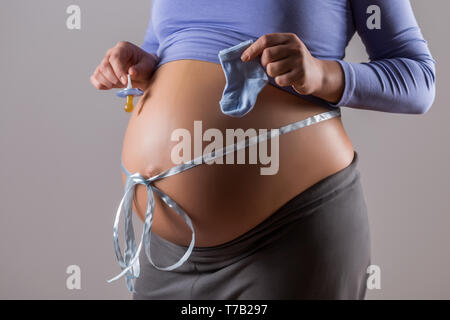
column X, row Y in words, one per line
column 288, row 60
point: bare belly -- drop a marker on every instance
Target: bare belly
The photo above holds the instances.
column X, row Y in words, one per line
column 224, row 200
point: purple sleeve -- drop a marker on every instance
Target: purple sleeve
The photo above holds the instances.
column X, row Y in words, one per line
column 400, row 77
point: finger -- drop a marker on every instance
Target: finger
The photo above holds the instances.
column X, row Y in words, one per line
column 275, row 53
column 119, row 60
column 265, row 41
column 288, row 78
column 96, row 83
column 102, row 79
column 140, row 84
column 280, row 67
column 106, row 70
column 140, row 71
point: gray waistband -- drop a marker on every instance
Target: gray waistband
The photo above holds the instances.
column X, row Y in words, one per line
column 130, row 261
column 299, row 207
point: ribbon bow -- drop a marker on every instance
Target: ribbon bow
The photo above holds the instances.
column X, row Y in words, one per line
column 130, row 263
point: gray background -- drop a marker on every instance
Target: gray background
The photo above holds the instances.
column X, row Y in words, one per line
column 61, row 143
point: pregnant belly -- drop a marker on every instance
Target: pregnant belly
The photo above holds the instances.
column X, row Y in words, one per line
column 224, row 200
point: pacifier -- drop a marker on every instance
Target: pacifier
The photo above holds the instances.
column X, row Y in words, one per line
column 129, row 92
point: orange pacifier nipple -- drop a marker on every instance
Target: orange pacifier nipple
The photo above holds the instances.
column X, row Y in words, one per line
column 129, row 92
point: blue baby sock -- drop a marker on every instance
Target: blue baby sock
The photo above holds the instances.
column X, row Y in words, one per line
column 244, row 80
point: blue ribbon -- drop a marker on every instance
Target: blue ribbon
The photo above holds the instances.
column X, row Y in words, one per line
column 130, row 262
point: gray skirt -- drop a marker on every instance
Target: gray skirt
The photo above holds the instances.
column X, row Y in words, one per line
column 316, row 246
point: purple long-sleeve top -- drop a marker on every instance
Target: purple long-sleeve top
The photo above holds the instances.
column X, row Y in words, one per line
column 400, row 77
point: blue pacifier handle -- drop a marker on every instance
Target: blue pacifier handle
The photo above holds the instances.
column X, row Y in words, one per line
column 129, row 92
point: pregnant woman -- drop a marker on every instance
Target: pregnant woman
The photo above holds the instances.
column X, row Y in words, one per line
column 301, row 232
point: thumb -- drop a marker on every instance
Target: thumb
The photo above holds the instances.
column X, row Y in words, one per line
column 141, row 71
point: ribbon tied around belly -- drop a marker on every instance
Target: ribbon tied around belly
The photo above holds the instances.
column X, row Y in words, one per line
column 130, row 261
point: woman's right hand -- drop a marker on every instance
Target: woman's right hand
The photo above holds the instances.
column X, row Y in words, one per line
column 120, row 60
